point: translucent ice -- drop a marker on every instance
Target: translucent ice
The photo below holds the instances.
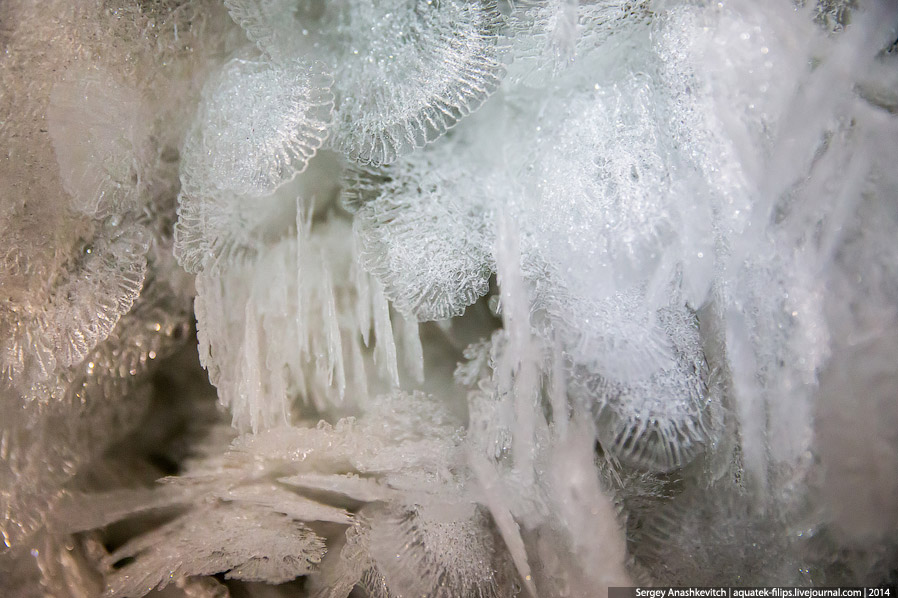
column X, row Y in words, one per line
column 424, row 232
column 98, row 128
column 253, row 152
column 403, row 74
column 55, row 325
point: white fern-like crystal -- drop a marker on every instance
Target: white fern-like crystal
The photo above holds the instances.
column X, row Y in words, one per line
column 242, row 542
column 56, row 324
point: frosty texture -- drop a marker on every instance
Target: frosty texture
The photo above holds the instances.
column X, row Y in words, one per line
column 435, row 555
column 496, row 299
column 90, row 300
column 548, row 37
column 659, row 422
column 56, row 325
column 99, row 138
column 253, row 152
column 605, row 197
column 403, row 74
column 425, row 74
column 419, row 218
column 204, row 544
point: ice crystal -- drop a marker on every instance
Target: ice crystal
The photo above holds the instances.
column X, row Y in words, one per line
column 492, row 299
column 59, row 425
column 403, row 74
column 259, row 483
column 548, row 37
column 277, row 330
column 99, row 136
column 242, row 542
column 429, row 554
column 57, row 324
column 660, row 421
column 252, row 153
column 607, row 196
column 401, row 217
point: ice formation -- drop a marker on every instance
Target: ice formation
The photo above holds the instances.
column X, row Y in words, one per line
column 446, row 298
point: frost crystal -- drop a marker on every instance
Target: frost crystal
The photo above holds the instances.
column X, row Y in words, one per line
column 56, row 324
column 99, row 137
column 420, row 553
column 403, row 73
column 422, row 234
column 660, row 421
column 492, row 299
column 253, row 152
column 303, row 336
column 425, row 72
column 242, row 542
column 550, row 36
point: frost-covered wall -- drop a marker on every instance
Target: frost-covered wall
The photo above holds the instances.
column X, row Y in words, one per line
column 495, row 298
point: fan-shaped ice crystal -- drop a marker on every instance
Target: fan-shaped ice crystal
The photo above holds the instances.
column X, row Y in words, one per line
column 425, row 71
column 98, row 128
column 423, row 552
column 220, row 228
column 259, row 124
column 425, row 232
column 45, row 325
column 660, row 422
column 403, row 73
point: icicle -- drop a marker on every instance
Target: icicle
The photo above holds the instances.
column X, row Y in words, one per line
column 587, row 512
column 363, row 296
column 359, row 375
column 750, row 401
column 385, row 349
column 563, row 37
column 252, row 385
column 518, row 369
column 488, row 478
column 275, row 360
column 412, row 352
column 558, row 391
column 303, row 230
column 209, row 305
column 332, row 334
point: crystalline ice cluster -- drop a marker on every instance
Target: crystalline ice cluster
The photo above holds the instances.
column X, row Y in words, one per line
column 446, row 298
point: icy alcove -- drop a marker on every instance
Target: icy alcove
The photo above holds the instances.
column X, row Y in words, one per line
column 495, row 298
